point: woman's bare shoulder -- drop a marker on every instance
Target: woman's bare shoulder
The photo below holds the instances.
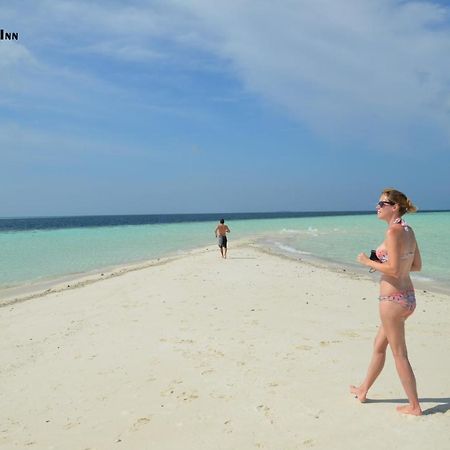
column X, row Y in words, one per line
column 394, row 231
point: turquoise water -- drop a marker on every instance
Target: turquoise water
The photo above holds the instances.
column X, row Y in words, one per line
column 340, row 239
column 32, row 256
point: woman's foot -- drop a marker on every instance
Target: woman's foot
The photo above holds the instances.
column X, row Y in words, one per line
column 359, row 393
column 408, row 409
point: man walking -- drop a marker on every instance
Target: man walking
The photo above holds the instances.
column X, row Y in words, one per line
column 221, row 232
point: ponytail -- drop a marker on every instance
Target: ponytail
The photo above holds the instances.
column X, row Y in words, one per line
column 404, row 203
column 410, row 208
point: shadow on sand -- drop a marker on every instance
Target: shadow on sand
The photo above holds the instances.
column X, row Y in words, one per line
column 241, row 257
column 443, row 407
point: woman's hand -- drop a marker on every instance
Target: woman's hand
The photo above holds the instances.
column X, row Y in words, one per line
column 363, row 258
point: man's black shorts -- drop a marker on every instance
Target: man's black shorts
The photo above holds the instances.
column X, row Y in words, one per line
column 223, row 241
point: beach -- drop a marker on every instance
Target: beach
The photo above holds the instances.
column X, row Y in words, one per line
column 198, row 352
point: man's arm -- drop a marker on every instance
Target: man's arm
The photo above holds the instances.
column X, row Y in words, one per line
column 227, row 229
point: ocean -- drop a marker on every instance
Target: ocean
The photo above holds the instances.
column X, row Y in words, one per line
column 36, row 250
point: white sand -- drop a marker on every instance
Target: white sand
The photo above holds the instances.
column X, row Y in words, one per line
column 256, row 351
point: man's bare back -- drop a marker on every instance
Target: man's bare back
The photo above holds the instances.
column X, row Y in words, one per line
column 221, row 232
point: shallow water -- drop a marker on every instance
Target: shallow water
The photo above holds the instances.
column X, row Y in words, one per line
column 340, row 239
column 36, row 254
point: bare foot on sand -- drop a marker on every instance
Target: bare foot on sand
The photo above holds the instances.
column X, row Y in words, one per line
column 408, row 409
column 359, row 393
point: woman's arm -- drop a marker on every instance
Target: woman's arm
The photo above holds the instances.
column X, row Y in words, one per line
column 392, row 266
column 416, row 265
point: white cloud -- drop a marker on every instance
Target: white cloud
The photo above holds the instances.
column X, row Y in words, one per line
column 122, row 30
column 13, row 54
column 124, row 51
column 30, row 144
column 359, row 70
column 345, row 68
column 44, row 71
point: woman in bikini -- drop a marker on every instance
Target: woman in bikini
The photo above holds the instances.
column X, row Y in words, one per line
column 397, row 256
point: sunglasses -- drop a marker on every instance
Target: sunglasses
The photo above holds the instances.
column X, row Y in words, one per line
column 382, row 204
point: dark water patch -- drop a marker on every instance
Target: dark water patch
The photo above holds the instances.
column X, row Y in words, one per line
column 52, row 223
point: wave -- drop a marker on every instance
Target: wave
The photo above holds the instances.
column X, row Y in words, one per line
column 289, row 249
column 309, row 231
column 421, row 278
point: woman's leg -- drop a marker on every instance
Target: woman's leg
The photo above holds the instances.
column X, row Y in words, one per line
column 393, row 317
column 375, row 366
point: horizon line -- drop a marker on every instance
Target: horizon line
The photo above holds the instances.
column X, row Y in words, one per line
column 221, row 214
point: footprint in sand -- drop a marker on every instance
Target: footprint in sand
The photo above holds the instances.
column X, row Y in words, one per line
column 289, row 357
column 317, row 415
column 71, row 424
column 185, row 341
column 219, row 396
column 349, row 333
column 171, row 389
column 326, row 343
column 228, row 428
column 214, row 352
column 140, row 423
column 188, row 396
column 266, row 411
column 303, row 347
column 174, row 391
column 131, row 306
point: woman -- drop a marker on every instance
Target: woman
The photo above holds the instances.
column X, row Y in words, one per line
column 397, row 256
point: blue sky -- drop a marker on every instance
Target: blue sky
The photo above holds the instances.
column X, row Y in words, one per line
column 128, row 107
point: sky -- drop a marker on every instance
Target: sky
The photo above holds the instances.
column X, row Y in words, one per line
column 191, row 106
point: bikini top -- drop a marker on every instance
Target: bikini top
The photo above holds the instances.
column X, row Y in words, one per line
column 381, row 251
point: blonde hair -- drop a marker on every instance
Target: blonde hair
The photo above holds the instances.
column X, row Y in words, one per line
column 401, row 199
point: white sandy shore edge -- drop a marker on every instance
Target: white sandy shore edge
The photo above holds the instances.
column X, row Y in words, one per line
column 256, row 351
column 35, row 289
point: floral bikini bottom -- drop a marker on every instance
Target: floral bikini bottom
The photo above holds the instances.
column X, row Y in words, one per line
column 407, row 299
